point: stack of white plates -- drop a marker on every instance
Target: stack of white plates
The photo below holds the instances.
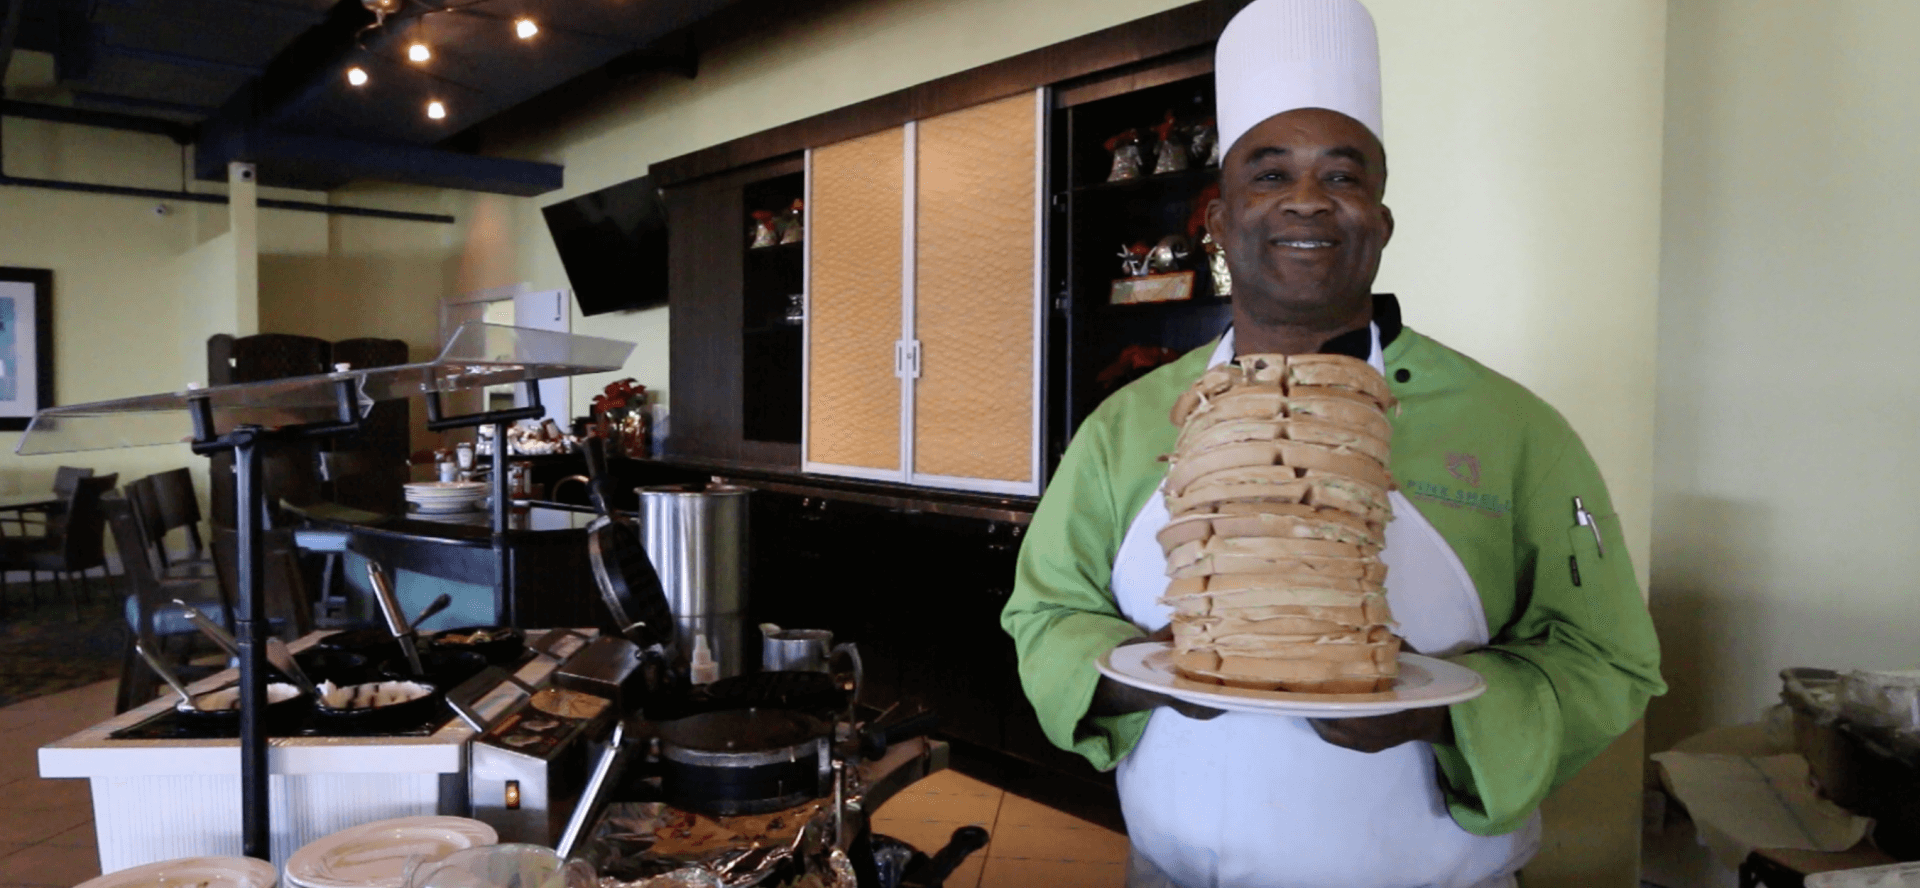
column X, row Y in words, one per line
column 192, row 872
column 446, row 496
column 377, row 855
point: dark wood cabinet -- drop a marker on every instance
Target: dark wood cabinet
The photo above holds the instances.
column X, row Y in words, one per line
column 1099, row 346
column 734, row 377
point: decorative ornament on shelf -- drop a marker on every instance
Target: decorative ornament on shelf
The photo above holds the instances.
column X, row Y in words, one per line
column 793, row 224
column 620, row 415
column 1166, row 256
column 765, row 232
column 1133, row 259
column 1127, row 159
column 1206, row 143
column 1170, row 156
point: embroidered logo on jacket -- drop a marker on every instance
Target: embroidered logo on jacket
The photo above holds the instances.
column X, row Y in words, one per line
column 1464, row 466
column 1458, row 497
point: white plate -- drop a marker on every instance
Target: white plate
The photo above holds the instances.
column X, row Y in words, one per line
column 1423, row 681
column 439, row 506
column 190, row 872
column 375, row 855
column 444, row 488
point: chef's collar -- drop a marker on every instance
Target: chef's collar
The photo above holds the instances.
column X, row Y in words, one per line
column 1365, row 343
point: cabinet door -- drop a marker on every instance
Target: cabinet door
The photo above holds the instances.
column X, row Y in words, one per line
column 856, row 253
column 975, row 299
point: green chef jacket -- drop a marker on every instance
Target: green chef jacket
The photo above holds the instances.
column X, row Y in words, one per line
column 1573, row 658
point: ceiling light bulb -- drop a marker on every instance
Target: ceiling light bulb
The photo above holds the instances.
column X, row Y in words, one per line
column 436, row 110
column 525, row 28
column 419, row 52
column 357, row 76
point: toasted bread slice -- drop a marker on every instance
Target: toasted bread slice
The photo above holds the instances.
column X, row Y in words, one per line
column 1339, row 372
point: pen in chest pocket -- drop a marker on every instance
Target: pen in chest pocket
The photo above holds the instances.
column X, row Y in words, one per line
column 1584, row 518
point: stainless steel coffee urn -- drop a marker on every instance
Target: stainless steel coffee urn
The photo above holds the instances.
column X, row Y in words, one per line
column 697, row 538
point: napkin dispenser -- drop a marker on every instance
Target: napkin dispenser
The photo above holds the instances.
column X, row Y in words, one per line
column 530, row 765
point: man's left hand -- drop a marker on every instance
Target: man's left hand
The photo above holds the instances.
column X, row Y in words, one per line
column 1380, row 732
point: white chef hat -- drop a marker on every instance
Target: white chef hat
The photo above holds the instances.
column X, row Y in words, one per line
column 1279, row 55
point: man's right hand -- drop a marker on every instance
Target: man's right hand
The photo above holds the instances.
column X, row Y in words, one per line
column 1113, row 698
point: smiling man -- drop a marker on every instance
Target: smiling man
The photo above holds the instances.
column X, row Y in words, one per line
column 1504, row 556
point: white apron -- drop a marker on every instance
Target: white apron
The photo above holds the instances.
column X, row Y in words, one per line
column 1260, row 801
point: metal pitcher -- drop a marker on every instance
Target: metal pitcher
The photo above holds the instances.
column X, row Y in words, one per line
column 804, row 650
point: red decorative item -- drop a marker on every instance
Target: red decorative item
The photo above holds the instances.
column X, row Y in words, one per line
column 620, row 415
column 1197, row 220
column 1134, row 361
column 765, row 231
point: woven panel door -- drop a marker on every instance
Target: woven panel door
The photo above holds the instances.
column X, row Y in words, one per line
column 856, row 253
column 976, row 277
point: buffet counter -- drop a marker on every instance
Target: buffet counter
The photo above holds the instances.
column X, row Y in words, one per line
column 156, row 799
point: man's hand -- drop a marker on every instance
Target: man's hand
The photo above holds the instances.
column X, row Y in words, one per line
column 1113, row 698
column 1380, row 732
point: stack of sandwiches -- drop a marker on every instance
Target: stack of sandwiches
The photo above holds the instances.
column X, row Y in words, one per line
column 1277, row 490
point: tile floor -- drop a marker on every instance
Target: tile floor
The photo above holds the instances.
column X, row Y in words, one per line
column 1029, row 843
column 46, row 826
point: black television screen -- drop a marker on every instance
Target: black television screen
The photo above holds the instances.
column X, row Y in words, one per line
column 613, row 243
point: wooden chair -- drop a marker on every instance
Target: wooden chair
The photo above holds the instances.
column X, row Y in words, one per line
column 151, row 615
column 144, row 497
column 179, row 509
column 74, row 542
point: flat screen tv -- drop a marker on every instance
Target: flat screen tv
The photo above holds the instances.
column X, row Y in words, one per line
column 613, row 243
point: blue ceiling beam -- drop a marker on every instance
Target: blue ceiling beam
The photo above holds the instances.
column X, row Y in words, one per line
column 326, row 162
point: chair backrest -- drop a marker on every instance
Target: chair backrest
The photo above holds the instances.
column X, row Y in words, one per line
column 146, row 516
column 65, row 477
column 84, row 525
column 143, row 586
column 179, row 505
column 284, row 589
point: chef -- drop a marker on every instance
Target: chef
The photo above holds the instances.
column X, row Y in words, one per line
column 1504, row 555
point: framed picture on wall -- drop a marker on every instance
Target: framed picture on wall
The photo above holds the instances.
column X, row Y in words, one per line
column 26, row 345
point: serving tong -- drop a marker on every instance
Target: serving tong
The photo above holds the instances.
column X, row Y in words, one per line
column 396, row 621
column 278, row 654
column 159, row 668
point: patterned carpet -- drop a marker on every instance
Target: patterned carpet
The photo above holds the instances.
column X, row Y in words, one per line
column 43, row 651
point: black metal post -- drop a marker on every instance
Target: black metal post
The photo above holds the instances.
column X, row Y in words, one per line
column 502, row 571
column 250, row 630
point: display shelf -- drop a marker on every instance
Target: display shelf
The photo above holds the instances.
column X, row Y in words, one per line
column 770, row 390
column 1094, row 220
column 1193, row 179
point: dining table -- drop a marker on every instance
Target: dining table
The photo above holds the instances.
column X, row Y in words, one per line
column 16, row 506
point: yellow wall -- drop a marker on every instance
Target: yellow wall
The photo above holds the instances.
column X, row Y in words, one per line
column 136, row 293
column 1524, row 148
column 124, row 277
column 1788, row 407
